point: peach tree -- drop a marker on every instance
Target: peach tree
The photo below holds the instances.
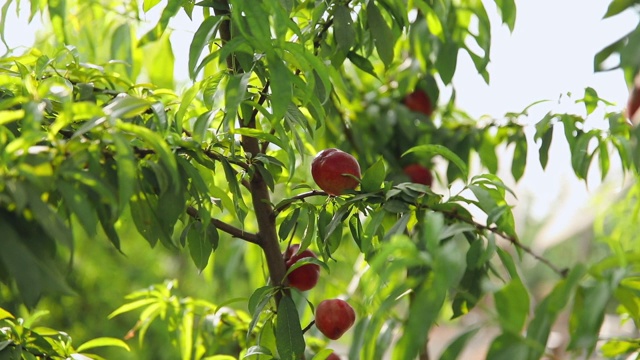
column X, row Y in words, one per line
column 97, row 138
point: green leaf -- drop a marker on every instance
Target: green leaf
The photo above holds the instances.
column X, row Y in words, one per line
column 444, row 152
column 306, row 261
column 158, row 144
column 580, row 157
column 507, row 346
column 343, row 31
column 126, row 106
column 107, row 222
column 448, row 268
column 455, row 348
column 126, row 169
column 4, row 314
column 288, row 224
column 79, row 205
column 253, row 22
column 508, row 11
column 433, row 22
column 157, row 31
column 590, row 100
column 519, row 162
column 232, row 184
column 202, row 126
column 258, row 300
column 336, row 221
column 603, row 55
column 131, row 306
column 512, row 303
column 149, row 4
column 281, row 87
column 121, row 49
column 9, row 116
column 3, row 21
column 362, row 63
column 382, row 35
column 603, row 158
column 57, row 14
column 615, row 348
column 34, row 275
column 186, row 333
column 144, row 218
column 447, row 60
column 399, row 227
column 235, row 92
column 588, row 314
column 160, row 62
column 509, row 264
column 373, row 177
column 257, row 297
column 200, row 248
column 618, row 6
column 102, row 342
column 470, row 290
column 547, row 136
column 289, row 338
column 49, row 219
column 487, row 152
column 253, row 351
column 260, row 135
column 322, row 354
column 547, row 311
column 203, row 36
column 318, row 68
column 186, row 101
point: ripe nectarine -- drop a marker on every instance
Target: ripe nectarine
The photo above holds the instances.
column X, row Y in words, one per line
column 419, row 174
column 334, row 317
column 306, row 276
column 418, row 101
column 331, row 169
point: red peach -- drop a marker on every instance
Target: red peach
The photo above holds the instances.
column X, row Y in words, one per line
column 419, row 101
column 334, row 317
column 419, row 174
column 306, row 276
column 331, row 169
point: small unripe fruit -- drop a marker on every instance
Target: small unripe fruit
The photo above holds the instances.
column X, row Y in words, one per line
column 331, row 169
column 334, row 317
column 419, row 174
column 418, row 101
column 306, row 276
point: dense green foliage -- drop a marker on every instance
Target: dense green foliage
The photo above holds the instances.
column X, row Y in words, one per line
column 99, row 146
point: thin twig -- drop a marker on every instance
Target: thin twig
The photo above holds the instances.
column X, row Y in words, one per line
column 308, row 327
column 512, row 239
column 229, row 229
column 563, row 272
column 288, row 202
column 215, row 156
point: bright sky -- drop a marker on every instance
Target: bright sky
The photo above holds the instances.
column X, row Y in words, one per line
column 550, row 53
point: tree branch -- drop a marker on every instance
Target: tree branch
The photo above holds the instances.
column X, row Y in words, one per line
column 260, row 195
column 512, row 239
column 563, row 272
column 229, row 229
column 284, row 204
